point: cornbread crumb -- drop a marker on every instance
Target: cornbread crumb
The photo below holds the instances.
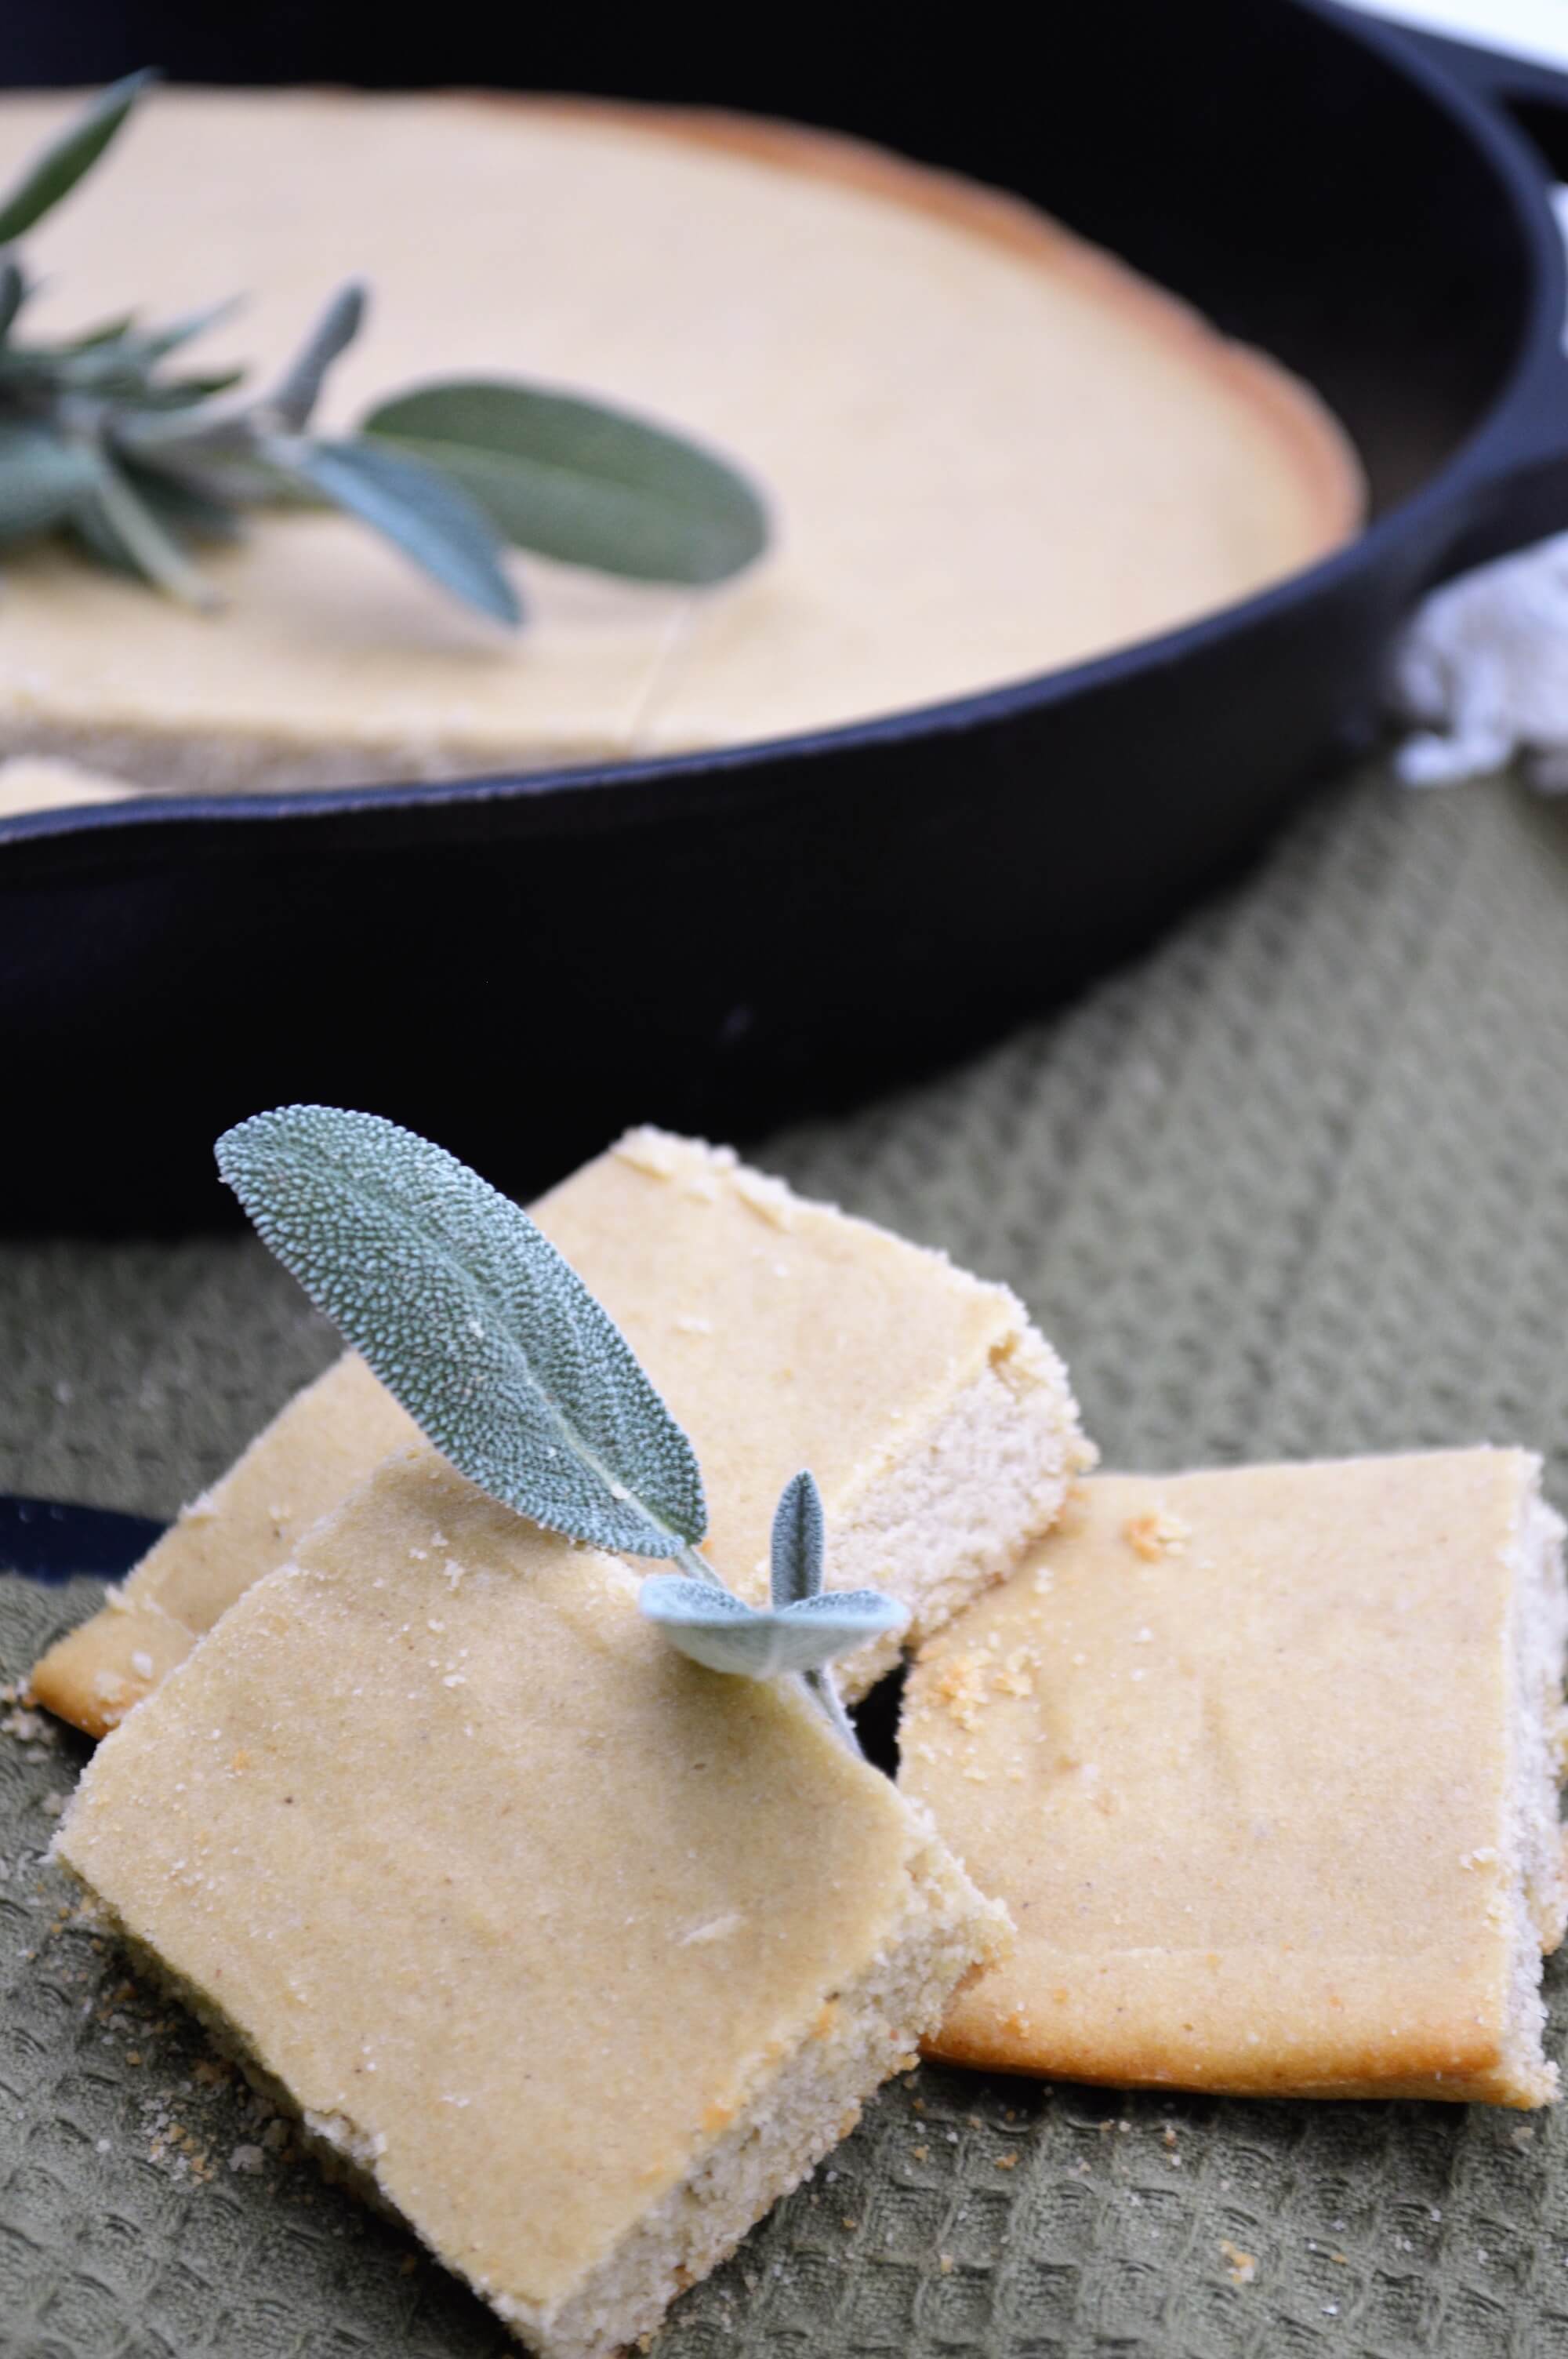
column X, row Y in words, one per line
column 1240, row 2268
column 1157, row 1533
column 960, row 1688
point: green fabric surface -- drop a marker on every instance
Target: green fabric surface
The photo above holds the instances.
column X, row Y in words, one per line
column 1298, row 1183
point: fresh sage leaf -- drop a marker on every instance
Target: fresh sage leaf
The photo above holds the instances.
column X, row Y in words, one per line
column 183, row 393
column 430, row 519
column 292, row 401
column 107, row 331
column 797, row 1543
column 13, row 294
column 575, row 479
column 718, row 1629
column 55, row 171
column 161, row 341
column 450, row 473
column 45, row 479
column 150, row 547
column 472, row 1320
column 180, row 508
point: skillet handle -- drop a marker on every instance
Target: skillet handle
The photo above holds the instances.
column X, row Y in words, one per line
column 1519, row 465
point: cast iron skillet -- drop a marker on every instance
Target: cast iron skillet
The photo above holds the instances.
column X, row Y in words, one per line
column 519, row 966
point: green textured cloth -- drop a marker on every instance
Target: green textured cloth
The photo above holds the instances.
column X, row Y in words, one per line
column 1297, row 1184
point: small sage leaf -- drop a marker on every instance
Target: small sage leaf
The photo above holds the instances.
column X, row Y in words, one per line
column 149, row 544
column 180, row 508
column 44, row 480
column 161, row 341
column 181, row 392
column 472, row 1320
column 293, row 400
column 797, row 1543
column 580, row 482
column 430, row 519
column 107, row 331
column 13, row 294
column 720, row 1631
column 55, row 171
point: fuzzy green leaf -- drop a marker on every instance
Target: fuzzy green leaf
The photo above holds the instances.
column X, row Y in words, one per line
column 13, row 294
column 580, row 482
column 161, row 341
column 472, row 1320
column 297, row 394
column 182, row 391
column 717, row 1629
column 45, row 479
column 56, row 169
column 797, row 1543
column 409, row 505
column 181, row 507
column 148, row 541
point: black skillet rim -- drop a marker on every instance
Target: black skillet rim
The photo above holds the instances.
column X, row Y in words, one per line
column 616, row 794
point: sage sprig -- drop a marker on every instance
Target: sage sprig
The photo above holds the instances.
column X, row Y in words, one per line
column 135, row 466
column 482, row 1329
column 804, row 1627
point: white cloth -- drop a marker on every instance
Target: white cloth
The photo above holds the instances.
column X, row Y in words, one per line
column 1484, row 670
column 1483, row 666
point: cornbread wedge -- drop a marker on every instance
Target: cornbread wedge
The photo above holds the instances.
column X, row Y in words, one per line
column 782, row 1334
column 577, row 1954
column 989, row 448
column 1265, row 1765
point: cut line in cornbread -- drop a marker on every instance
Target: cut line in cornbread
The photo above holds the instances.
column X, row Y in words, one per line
column 1265, row 1765
column 577, row 1954
column 937, row 1422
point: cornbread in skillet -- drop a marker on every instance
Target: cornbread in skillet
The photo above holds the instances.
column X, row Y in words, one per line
column 938, row 1422
column 30, row 784
column 989, row 448
column 579, row 1956
column 1265, row 1765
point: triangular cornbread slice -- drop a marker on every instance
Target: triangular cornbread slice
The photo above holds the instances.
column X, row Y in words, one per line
column 577, row 1954
column 1265, row 1763
column 938, row 1422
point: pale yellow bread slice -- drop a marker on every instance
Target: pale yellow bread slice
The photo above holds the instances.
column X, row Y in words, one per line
column 784, row 1334
column 1264, row 1763
column 577, row 1954
column 31, row 783
column 990, row 448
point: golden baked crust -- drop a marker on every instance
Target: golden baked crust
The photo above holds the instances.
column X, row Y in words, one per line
column 1087, row 461
column 1263, row 1763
